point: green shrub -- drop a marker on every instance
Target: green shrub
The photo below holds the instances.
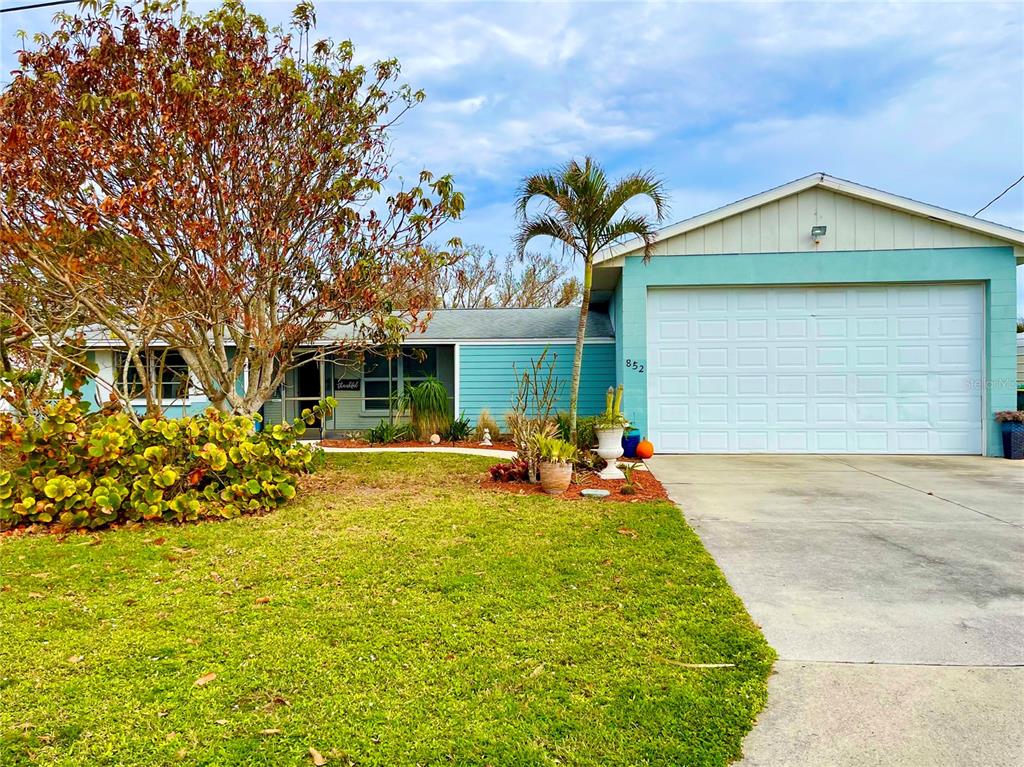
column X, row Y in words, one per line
column 87, row 470
column 386, row 432
column 458, row 430
column 428, row 407
column 555, row 450
column 585, row 436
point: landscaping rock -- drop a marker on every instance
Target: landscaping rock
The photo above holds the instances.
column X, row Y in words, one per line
column 594, row 492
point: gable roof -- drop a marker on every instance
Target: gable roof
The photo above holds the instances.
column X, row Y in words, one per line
column 455, row 325
column 1005, row 234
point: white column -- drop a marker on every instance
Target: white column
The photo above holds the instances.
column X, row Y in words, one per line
column 455, row 364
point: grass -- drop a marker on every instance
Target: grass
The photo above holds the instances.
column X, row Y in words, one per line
column 396, row 615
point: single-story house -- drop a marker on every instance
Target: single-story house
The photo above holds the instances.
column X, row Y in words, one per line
column 821, row 316
column 477, row 354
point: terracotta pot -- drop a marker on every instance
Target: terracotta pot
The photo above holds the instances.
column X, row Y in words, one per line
column 555, row 477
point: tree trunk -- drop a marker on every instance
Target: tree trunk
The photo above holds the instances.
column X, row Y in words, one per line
column 581, row 332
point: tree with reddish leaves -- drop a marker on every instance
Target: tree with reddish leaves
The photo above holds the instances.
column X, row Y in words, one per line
column 212, row 185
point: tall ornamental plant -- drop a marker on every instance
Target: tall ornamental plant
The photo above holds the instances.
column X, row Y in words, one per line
column 584, row 212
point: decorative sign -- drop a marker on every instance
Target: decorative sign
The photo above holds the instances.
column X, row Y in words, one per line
column 346, row 384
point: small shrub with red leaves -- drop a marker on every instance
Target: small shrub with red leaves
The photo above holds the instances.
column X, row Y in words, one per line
column 510, row 471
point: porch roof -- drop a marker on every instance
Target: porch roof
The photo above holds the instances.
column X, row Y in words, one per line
column 546, row 324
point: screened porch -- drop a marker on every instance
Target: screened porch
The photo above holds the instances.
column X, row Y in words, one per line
column 362, row 383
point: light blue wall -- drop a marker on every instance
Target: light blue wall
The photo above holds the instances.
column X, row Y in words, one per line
column 89, row 387
column 488, row 381
column 993, row 267
column 617, row 319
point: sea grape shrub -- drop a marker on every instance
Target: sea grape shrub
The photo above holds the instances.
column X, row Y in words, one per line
column 87, row 470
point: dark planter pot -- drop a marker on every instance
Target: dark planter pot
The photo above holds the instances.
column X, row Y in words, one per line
column 629, row 442
column 1013, row 440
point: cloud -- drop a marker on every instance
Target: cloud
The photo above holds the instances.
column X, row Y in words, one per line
column 722, row 100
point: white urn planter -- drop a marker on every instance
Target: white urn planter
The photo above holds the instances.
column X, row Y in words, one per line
column 609, row 447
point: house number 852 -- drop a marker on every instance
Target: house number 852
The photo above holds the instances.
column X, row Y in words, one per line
column 635, row 365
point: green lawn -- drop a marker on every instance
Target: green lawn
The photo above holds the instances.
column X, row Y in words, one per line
column 395, row 615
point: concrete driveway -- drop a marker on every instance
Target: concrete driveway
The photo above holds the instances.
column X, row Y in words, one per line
column 892, row 589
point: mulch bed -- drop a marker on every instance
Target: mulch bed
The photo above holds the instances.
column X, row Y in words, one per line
column 647, row 488
column 498, row 445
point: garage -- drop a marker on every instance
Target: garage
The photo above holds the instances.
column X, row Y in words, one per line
column 816, row 369
column 820, row 316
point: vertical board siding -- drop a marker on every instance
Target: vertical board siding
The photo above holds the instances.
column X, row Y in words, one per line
column 487, row 380
column 784, row 226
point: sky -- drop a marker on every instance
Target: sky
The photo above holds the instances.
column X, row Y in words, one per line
column 722, row 100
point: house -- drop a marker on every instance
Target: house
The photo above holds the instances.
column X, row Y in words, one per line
column 821, row 316
column 475, row 353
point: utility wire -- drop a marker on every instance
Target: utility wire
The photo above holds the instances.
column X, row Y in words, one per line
column 37, row 5
column 1011, row 186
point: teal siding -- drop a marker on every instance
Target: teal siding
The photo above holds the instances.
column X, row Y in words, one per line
column 487, row 380
column 89, row 387
column 617, row 320
column 994, row 267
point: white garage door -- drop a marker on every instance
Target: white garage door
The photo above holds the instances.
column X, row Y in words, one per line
column 858, row 369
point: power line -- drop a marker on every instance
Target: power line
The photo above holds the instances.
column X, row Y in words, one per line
column 1011, row 186
column 37, row 5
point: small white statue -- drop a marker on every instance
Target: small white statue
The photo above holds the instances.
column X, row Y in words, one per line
column 486, row 441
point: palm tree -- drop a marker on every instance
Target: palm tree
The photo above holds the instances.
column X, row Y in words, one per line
column 584, row 213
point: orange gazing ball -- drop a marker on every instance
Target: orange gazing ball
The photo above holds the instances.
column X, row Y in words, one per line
column 644, row 450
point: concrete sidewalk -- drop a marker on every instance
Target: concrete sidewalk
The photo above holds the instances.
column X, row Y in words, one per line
column 893, row 590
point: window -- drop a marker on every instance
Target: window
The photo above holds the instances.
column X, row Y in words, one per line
column 384, row 377
column 166, row 368
column 419, row 364
column 379, row 375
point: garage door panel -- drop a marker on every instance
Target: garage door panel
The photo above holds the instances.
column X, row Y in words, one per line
column 750, row 330
column 751, row 385
column 751, row 414
column 871, row 327
column 871, row 369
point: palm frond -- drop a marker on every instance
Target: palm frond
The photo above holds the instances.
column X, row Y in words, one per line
column 645, row 184
column 587, row 210
column 548, row 186
column 635, row 225
column 545, row 225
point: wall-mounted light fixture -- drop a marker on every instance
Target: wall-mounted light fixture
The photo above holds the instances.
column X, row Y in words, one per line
column 817, row 232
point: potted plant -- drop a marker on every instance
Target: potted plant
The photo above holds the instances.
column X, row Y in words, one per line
column 556, row 459
column 1012, row 426
column 609, row 427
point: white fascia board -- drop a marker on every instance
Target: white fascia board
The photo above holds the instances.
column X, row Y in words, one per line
column 431, row 342
column 1010, row 235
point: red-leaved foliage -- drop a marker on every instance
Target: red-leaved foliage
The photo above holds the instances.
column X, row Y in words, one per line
column 206, row 182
